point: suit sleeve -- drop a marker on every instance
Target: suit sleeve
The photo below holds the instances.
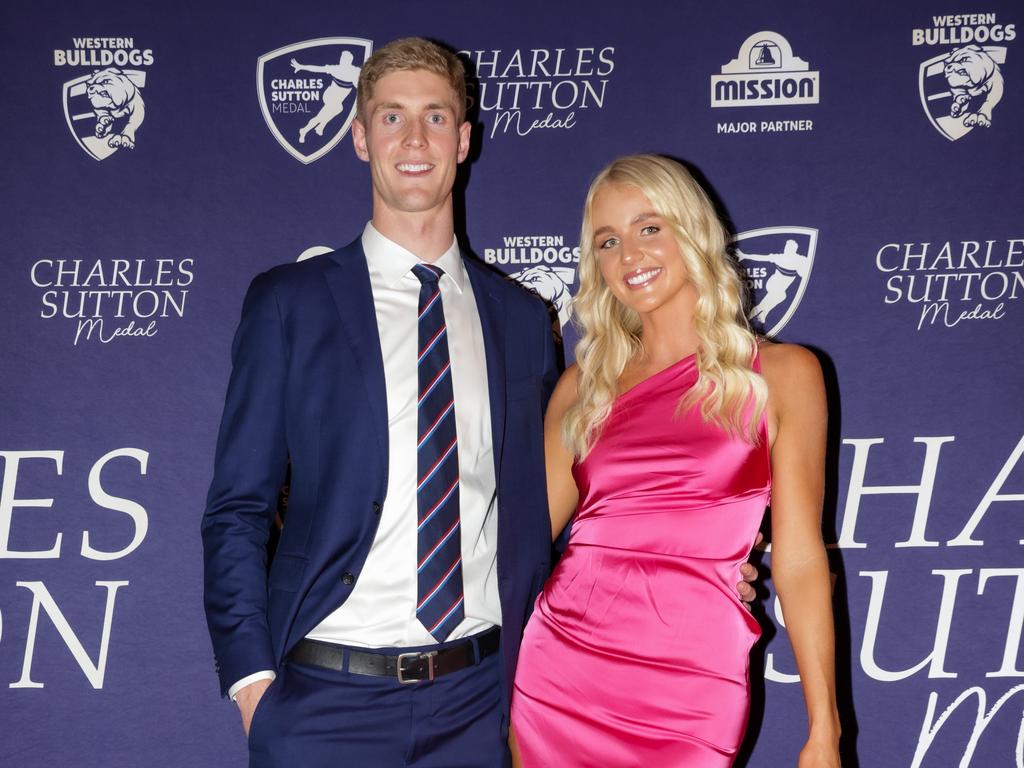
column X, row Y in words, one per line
column 249, row 469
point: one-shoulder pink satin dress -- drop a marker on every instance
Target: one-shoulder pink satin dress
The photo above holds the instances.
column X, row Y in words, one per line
column 637, row 650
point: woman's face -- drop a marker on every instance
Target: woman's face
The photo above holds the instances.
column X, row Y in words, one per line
column 637, row 252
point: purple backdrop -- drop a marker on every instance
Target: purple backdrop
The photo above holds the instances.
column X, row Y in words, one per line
column 863, row 155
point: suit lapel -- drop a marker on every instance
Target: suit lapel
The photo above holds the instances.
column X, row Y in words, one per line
column 491, row 307
column 349, row 281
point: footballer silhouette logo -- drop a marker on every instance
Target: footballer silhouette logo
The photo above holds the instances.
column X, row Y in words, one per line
column 776, row 262
column 307, row 93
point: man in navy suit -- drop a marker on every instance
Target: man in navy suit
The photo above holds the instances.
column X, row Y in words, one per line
column 336, row 644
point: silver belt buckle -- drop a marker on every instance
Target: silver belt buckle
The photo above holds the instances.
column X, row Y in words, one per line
column 429, row 656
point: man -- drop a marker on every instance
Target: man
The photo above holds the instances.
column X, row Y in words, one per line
column 407, row 387
column 325, row 372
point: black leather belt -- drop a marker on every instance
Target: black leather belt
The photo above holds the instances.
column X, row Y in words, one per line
column 413, row 667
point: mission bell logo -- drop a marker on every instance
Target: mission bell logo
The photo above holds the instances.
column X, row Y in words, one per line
column 307, row 93
column 765, row 73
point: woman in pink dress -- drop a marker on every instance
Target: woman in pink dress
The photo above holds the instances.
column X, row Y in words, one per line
column 667, row 439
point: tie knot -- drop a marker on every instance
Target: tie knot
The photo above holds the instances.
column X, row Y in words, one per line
column 427, row 273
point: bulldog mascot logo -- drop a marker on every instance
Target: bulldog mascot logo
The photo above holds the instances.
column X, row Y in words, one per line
column 551, row 284
column 115, row 98
column 960, row 89
column 974, row 78
column 105, row 109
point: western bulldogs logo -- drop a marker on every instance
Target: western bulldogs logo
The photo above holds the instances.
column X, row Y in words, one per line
column 105, row 109
column 307, row 92
column 960, row 89
column 777, row 262
column 551, row 284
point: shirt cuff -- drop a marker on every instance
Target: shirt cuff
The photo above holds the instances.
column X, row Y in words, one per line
column 266, row 674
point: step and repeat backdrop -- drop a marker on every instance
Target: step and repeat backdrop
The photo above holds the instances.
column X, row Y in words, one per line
column 867, row 160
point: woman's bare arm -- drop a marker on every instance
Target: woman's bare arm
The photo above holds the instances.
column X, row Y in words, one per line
column 798, row 420
column 562, row 492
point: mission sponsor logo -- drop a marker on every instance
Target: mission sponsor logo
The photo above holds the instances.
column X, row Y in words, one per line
column 776, row 262
column 104, row 107
column 948, row 283
column 765, row 73
column 307, row 92
column 108, row 300
column 529, row 89
column 547, row 266
column 961, row 86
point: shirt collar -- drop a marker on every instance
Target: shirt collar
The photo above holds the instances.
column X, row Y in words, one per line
column 392, row 262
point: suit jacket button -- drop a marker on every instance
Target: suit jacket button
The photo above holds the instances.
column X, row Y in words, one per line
column 376, row 507
column 347, row 578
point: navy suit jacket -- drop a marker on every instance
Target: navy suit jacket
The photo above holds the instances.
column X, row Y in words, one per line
column 307, row 384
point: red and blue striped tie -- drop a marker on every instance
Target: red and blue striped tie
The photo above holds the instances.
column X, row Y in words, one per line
column 439, row 600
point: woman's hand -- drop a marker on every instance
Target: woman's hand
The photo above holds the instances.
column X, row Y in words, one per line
column 819, row 753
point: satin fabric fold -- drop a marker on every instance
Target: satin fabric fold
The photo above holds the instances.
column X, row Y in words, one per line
column 637, row 650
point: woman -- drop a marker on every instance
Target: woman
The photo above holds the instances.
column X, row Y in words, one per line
column 667, row 438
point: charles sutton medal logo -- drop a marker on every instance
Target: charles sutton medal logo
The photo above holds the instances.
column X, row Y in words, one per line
column 307, row 92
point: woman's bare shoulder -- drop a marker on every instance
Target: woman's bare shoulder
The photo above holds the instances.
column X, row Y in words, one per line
column 787, row 359
column 790, row 369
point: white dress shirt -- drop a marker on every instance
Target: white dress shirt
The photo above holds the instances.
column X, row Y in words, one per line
column 381, row 609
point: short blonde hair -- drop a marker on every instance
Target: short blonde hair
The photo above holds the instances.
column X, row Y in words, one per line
column 407, row 54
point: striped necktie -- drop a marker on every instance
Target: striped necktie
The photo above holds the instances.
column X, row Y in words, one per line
column 439, row 599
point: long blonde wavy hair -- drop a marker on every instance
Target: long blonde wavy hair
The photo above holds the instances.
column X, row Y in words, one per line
column 728, row 391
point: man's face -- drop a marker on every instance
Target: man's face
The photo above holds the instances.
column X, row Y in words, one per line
column 412, row 140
